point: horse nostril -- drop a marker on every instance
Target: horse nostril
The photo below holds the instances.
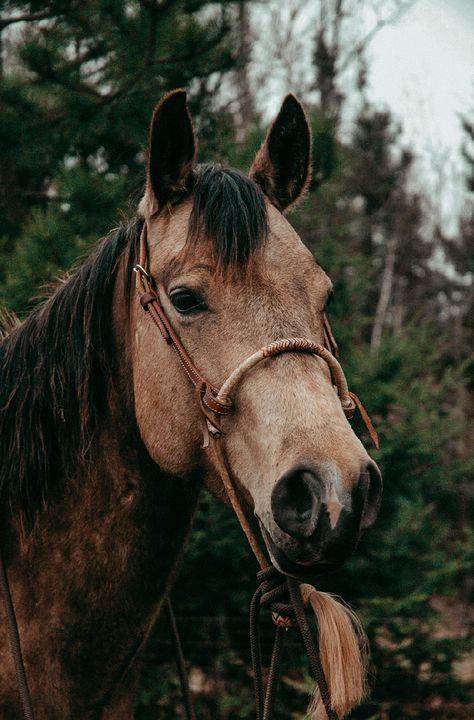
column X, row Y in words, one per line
column 296, row 502
column 371, row 488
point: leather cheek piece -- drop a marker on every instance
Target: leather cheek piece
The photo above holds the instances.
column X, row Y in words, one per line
column 146, row 299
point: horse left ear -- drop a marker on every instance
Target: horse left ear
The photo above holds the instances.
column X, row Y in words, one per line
column 282, row 166
column 171, row 151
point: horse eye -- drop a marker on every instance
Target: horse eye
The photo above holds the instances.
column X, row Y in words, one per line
column 185, row 300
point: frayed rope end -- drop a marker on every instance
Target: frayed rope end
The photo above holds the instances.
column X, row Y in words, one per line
column 344, row 652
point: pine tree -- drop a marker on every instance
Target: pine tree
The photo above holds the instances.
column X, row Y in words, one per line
column 76, row 95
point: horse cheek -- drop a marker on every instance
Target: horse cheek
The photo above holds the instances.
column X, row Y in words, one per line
column 164, row 404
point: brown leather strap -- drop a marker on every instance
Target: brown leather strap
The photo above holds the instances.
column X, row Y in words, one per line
column 367, row 421
column 205, row 393
column 329, row 339
column 222, row 468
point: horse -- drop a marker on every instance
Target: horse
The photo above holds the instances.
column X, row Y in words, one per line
column 101, row 457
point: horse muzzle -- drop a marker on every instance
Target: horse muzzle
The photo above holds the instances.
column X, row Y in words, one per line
column 314, row 526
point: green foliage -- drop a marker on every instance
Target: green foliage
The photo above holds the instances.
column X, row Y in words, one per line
column 75, row 108
column 409, row 557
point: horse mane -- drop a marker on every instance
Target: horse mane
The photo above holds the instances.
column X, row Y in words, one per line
column 8, row 322
column 54, row 375
column 55, row 366
column 229, row 209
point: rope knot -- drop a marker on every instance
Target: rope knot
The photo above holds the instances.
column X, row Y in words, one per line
column 283, row 596
column 274, row 594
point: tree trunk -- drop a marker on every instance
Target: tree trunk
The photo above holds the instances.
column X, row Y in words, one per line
column 384, row 297
column 246, row 103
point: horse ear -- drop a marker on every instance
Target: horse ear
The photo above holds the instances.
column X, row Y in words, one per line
column 171, row 151
column 282, row 166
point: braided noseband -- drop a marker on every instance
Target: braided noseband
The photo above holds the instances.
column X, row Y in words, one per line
column 228, row 389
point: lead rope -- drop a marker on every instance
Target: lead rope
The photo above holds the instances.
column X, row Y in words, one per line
column 15, row 645
column 180, row 661
column 283, row 596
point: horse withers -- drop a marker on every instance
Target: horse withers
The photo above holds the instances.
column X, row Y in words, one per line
column 101, row 457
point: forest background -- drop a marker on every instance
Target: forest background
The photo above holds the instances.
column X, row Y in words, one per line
column 78, row 82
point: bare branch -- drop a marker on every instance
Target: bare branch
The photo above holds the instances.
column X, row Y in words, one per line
column 26, row 17
column 358, row 49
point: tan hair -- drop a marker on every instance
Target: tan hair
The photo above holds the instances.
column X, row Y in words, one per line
column 343, row 647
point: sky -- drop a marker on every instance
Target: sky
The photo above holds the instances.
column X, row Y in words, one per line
column 422, row 68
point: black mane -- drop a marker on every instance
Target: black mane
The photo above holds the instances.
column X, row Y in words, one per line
column 228, row 208
column 54, row 375
column 56, row 365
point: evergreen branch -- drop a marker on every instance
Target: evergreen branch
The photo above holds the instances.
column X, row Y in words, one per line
column 154, row 5
column 185, row 58
column 80, row 88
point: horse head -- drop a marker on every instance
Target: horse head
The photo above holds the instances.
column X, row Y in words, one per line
column 232, row 275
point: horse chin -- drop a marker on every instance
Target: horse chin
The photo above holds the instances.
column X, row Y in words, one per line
column 302, row 570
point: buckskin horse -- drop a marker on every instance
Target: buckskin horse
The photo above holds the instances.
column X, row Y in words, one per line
column 101, row 450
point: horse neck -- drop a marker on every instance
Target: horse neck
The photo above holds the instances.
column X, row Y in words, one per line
column 89, row 576
column 120, row 519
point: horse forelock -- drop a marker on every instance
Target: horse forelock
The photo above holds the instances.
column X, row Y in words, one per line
column 228, row 209
column 54, row 375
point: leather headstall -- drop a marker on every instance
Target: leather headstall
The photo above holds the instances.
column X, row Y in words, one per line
column 204, row 392
column 214, row 403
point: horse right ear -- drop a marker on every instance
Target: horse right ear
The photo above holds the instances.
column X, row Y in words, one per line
column 282, row 166
column 171, row 152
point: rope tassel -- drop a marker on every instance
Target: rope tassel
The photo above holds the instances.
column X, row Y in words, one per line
column 338, row 658
column 344, row 653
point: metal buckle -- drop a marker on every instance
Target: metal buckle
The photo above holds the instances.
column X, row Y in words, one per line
column 140, row 269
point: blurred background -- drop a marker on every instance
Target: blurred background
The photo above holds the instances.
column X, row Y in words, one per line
column 389, row 88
